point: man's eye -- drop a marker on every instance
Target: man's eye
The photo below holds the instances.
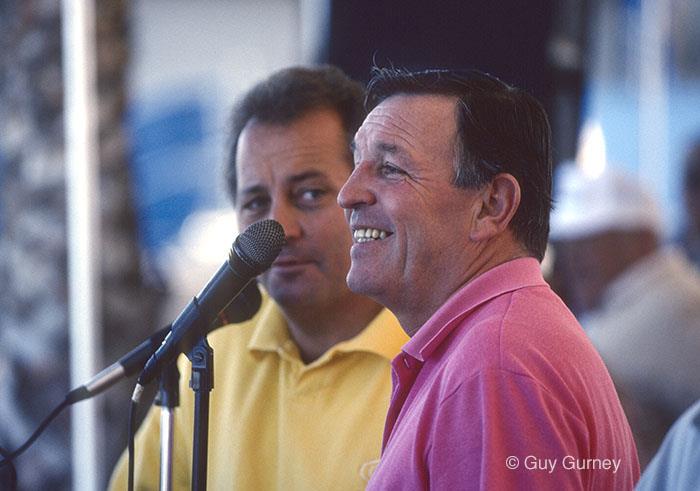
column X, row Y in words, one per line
column 309, row 195
column 255, row 204
column 388, row 169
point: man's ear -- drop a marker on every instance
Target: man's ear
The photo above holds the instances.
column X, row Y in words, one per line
column 499, row 200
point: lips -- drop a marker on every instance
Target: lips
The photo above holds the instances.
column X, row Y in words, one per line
column 288, row 262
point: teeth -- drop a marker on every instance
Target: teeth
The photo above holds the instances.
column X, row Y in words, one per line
column 367, row 234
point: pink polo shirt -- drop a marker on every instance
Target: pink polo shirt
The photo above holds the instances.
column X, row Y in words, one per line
column 501, row 389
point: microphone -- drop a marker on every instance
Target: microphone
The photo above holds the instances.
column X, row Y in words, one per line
column 245, row 306
column 252, row 253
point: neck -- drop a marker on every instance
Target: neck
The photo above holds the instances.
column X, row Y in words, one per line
column 416, row 313
column 315, row 329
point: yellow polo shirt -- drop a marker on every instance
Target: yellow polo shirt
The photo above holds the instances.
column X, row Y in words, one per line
column 276, row 423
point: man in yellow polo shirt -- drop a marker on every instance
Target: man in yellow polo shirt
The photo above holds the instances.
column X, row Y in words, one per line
column 301, row 390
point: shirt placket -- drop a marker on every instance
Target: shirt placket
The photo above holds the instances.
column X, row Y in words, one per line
column 404, row 371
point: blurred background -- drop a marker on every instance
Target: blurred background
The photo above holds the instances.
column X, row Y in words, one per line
column 167, row 74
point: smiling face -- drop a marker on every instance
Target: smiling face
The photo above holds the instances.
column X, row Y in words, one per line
column 292, row 173
column 411, row 225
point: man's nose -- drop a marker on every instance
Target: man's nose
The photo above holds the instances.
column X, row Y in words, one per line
column 357, row 191
column 286, row 216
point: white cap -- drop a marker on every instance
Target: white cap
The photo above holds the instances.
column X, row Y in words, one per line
column 586, row 205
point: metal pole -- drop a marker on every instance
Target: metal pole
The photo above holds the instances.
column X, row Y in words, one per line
column 654, row 27
column 201, row 382
column 81, row 160
column 314, row 19
column 168, row 399
column 167, row 419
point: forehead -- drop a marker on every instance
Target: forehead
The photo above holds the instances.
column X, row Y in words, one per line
column 269, row 152
column 411, row 122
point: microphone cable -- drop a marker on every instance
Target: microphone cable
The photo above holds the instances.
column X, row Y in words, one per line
column 8, row 458
column 12, row 472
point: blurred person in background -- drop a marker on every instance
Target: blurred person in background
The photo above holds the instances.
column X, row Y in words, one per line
column 689, row 238
column 302, row 389
column 638, row 301
column 675, row 465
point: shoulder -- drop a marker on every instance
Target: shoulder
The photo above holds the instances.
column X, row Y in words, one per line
column 530, row 338
column 528, row 326
column 239, row 336
column 538, row 330
column 675, row 464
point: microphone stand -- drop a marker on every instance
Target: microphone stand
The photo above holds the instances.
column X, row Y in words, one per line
column 201, row 382
column 168, row 399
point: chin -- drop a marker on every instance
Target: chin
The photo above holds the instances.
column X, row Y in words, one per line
column 362, row 286
column 293, row 293
column 288, row 298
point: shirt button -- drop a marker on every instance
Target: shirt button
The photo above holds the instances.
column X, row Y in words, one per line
column 406, row 362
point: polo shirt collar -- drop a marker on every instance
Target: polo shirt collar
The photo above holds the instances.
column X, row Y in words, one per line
column 383, row 336
column 270, row 332
column 504, row 278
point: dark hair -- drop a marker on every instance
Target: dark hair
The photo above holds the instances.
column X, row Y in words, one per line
column 499, row 129
column 290, row 94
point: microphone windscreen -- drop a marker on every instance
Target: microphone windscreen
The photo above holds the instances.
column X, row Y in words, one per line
column 259, row 244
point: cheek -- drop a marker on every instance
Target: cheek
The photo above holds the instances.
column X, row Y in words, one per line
column 332, row 238
column 242, row 225
column 339, row 239
column 428, row 228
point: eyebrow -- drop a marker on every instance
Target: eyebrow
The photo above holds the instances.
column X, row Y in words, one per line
column 309, row 174
column 257, row 188
column 388, row 148
column 382, row 147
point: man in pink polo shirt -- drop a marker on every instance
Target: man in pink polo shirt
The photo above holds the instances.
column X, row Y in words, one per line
column 449, row 202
